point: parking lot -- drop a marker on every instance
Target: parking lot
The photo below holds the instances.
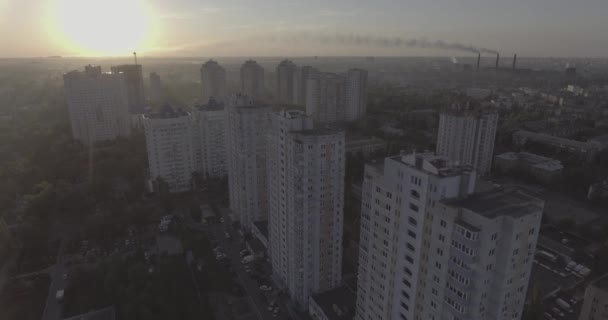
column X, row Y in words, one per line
column 251, row 275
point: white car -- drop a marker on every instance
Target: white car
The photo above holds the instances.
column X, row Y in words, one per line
column 247, row 259
column 557, row 312
column 265, row 287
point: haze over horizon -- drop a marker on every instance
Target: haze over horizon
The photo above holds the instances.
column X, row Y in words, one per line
column 163, row 28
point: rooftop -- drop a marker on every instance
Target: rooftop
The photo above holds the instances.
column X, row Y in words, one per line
column 602, row 282
column 433, row 164
column 469, row 108
column 499, row 202
column 562, row 142
column 212, row 105
column 337, row 303
column 318, row 132
column 532, row 159
column 167, row 112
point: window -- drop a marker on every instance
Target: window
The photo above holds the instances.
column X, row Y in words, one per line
column 414, row 207
column 415, row 194
column 407, row 271
column 410, row 247
column 409, row 259
column 443, row 223
column 411, row 234
column 412, row 221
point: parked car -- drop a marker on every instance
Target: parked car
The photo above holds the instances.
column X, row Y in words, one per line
column 247, row 259
column 265, row 287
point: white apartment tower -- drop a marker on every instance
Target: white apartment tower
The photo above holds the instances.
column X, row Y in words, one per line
column 287, row 82
column 247, row 124
column 306, row 190
column 467, row 135
column 356, row 94
column 213, row 80
column 302, row 76
column 326, row 97
column 209, row 133
column 482, row 268
column 170, row 148
column 432, row 249
column 252, row 79
column 98, row 105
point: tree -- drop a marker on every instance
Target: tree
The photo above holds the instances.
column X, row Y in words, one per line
column 535, row 308
column 161, row 188
column 567, row 224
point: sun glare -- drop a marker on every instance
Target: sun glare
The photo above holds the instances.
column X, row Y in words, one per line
column 102, row 27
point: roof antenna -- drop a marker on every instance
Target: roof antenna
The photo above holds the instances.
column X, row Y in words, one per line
column 135, row 56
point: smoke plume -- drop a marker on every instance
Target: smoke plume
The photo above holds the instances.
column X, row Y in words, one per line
column 377, row 41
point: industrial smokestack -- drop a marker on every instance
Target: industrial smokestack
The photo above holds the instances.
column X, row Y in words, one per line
column 514, row 62
column 478, row 60
column 497, row 60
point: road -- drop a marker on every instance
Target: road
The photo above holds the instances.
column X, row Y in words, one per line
column 232, row 248
column 53, row 309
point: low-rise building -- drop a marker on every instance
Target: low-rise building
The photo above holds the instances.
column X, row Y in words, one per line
column 585, row 149
column 542, row 168
column 335, row 304
column 365, row 145
column 595, row 306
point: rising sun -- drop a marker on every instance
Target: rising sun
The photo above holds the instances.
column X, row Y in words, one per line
column 102, row 27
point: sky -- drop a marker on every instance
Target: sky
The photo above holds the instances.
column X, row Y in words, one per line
column 545, row 28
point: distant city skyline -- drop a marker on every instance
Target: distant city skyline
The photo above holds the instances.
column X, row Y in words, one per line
column 543, row 28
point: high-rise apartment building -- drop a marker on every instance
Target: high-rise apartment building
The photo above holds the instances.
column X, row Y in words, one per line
column 467, row 135
column 247, row 124
column 356, row 94
column 287, row 82
column 432, row 249
column 213, row 80
column 135, row 85
column 157, row 94
column 170, row 148
column 326, row 97
column 180, row 144
column 98, row 105
column 252, row 79
column 305, row 190
column 302, row 76
column 595, row 306
column 210, row 139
